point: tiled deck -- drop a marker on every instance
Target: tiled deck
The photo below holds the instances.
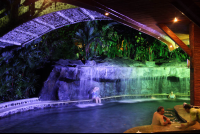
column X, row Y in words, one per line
column 174, row 127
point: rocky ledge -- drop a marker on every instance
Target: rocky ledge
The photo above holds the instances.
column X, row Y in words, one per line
column 74, row 79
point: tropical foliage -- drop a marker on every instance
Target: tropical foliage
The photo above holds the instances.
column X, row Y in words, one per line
column 84, row 40
column 17, row 73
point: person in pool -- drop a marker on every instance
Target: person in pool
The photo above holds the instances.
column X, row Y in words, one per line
column 172, row 95
column 95, row 95
column 194, row 115
column 158, row 117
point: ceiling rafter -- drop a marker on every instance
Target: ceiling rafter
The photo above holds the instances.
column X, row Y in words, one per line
column 190, row 9
column 173, row 36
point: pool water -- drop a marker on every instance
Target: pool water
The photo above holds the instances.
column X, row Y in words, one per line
column 111, row 117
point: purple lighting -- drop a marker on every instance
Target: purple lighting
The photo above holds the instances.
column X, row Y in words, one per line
column 37, row 27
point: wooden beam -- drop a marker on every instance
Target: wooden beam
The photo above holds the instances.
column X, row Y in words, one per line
column 173, row 36
column 188, row 8
column 195, row 65
column 119, row 17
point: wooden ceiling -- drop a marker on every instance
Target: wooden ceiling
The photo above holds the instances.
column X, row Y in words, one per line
column 152, row 12
column 147, row 12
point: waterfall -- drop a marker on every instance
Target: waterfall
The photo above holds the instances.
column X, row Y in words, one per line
column 138, row 88
column 75, row 82
column 106, row 71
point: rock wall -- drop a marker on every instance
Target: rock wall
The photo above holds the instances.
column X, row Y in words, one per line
column 73, row 80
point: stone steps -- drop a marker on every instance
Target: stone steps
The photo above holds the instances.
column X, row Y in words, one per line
column 168, row 114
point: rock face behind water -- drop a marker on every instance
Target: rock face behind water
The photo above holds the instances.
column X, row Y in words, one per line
column 74, row 79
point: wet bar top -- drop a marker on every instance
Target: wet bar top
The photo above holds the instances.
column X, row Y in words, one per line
column 174, row 127
column 156, row 129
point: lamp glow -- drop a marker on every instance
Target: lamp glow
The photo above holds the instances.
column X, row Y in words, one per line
column 106, row 13
column 175, row 19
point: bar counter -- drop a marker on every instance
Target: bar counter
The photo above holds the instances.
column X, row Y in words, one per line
column 170, row 128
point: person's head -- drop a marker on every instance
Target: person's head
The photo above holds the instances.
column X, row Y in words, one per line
column 171, row 92
column 187, row 108
column 161, row 110
column 96, row 88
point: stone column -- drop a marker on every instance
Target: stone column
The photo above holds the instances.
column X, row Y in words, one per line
column 195, row 65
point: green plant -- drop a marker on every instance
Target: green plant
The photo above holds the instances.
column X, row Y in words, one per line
column 151, row 54
column 179, row 54
column 94, row 39
column 17, row 72
column 87, row 36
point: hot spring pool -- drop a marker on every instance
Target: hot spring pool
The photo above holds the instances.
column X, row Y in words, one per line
column 110, row 117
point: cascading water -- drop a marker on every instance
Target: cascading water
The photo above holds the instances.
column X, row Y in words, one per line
column 75, row 82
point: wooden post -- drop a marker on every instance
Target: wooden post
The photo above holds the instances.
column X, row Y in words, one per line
column 173, row 36
column 195, row 65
